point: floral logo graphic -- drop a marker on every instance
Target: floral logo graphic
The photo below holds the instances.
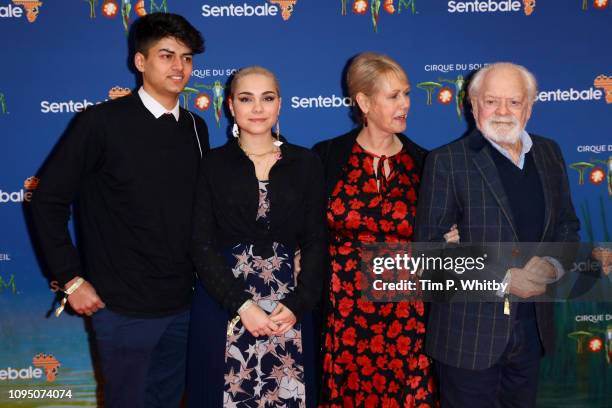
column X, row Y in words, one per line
column 48, row 363
column 111, row 8
column 32, row 8
column 445, row 94
column 3, row 108
column 202, row 99
column 360, row 7
column 286, row 7
column 202, row 102
column 118, row 92
column 604, row 82
column 597, row 4
column 594, row 343
column 597, row 175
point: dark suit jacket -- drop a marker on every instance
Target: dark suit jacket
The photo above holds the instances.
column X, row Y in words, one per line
column 461, row 185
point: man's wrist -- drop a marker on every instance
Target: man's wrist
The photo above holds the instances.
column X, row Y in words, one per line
column 75, row 285
column 558, row 268
column 71, row 282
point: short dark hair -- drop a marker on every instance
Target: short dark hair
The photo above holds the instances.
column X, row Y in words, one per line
column 151, row 28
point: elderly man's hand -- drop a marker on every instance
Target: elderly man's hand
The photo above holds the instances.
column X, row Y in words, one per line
column 522, row 286
column 540, row 270
column 452, row 236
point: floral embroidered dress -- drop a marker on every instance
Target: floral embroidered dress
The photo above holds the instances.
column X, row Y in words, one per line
column 373, row 352
column 264, row 371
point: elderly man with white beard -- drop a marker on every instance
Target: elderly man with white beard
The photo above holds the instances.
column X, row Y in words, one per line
column 497, row 184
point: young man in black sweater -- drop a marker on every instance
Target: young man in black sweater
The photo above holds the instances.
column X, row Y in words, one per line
column 131, row 164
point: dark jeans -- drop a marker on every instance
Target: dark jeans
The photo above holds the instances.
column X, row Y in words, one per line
column 512, row 382
column 142, row 360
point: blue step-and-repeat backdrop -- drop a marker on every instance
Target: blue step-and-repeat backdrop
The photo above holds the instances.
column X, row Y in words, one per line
column 60, row 56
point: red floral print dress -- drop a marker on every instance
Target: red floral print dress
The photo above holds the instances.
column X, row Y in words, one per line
column 373, row 352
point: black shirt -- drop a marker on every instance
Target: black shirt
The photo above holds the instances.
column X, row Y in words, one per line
column 133, row 177
column 225, row 214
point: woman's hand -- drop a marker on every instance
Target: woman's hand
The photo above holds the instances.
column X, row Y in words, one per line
column 452, row 236
column 284, row 317
column 257, row 322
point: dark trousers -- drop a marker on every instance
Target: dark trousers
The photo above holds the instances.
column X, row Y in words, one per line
column 142, row 360
column 512, row 382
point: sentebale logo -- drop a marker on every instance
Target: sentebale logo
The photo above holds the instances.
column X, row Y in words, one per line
column 569, row 95
column 75, row 106
column 15, row 10
column 42, row 364
column 492, row 6
column 321, row 101
column 24, row 195
column 248, row 10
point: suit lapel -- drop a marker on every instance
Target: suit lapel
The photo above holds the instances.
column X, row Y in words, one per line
column 541, row 162
column 486, row 167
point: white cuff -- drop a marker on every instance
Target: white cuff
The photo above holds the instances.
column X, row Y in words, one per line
column 559, row 269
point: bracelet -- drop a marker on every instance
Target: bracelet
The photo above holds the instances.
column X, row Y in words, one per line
column 68, row 292
column 247, row 303
column 230, row 326
column 74, row 286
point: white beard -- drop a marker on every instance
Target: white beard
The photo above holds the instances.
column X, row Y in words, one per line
column 502, row 134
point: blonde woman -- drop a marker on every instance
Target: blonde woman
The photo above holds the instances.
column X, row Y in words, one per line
column 373, row 352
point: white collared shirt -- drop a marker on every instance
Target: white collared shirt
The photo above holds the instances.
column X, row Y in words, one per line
column 526, row 147
column 155, row 107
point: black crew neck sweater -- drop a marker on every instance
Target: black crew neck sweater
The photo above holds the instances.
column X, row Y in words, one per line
column 525, row 193
column 133, row 179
